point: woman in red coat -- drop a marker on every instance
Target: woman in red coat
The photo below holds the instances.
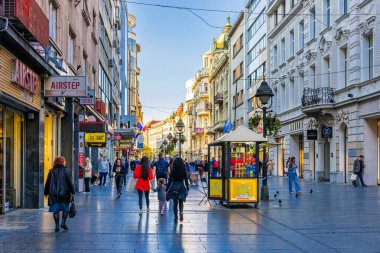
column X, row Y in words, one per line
column 143, row 173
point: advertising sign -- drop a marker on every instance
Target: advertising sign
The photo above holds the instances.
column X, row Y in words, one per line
column 25, row 77
column 216, row 188
column 89, row 100
column 91, row 127
column 327, row 132
column 243, row 190
column 66, row 86
column 95, row 137
column 312, row 135
column 198, row 130
column 126, row 143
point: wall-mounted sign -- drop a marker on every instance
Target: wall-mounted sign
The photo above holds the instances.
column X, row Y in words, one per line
column 25, row 77
column 91, row 127
column 312, row 135
column 199, row 130
column 89, row 100
column 327, row 132
column 126, row 143
column 66, row 86
column 216, row 188
column 95, row 137
column 244, row 190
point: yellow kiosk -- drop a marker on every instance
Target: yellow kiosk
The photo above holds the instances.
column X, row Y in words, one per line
column 235, row 181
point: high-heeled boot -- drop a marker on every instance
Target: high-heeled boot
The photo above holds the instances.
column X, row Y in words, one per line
column 63, row 224
column 181, row 216
column 57, row 227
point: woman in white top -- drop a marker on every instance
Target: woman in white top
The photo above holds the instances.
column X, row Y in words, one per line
column 87, row 174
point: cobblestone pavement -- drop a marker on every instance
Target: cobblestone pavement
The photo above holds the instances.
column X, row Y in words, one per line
column 334, row 218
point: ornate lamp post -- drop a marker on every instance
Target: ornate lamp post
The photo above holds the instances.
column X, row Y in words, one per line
column 264, row 93
column 180, row 127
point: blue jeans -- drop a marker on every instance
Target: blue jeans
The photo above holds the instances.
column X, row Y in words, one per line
column 103, row 175
column 360, row 176
column 293, row 177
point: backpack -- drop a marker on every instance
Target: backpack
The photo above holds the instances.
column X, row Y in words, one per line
column 161, row 169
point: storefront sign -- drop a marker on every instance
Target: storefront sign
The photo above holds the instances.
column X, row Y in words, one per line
column 25, row 77
column 126, row 143
column 327, row 132
column 90, row 99
column 95, row 137
column 216, row 188
column 243, row 190
column 312, row 135
column 91, row 127
column 198, row 130
column 66, row 86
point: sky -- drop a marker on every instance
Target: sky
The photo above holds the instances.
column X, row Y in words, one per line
column 172, row 44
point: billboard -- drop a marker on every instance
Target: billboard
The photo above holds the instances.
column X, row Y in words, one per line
column 66, row 86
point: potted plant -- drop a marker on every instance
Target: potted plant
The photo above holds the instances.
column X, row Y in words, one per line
column 273, row 125
column 254, row 121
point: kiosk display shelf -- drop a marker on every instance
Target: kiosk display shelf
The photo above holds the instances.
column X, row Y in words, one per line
column 236, row 180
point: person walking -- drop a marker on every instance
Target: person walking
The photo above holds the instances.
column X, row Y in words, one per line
column 59, row 188
column 110, row 169
column 103, row 170
column 126, row 167
column 119, row 171
column 178, row 187
column 270, row 165
column 144, row 174
column 161, row 189
column 359, row 170
column 87, row 175
column 161, row 168
column 293, row 177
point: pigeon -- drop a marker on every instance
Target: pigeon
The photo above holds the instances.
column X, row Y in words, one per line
column 311, row 190
column 279, row 201
column 277, row 192
column 275, row 195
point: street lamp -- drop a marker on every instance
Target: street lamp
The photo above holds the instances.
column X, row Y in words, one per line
column 264, row 93
column 170, row 136
column 180, row 127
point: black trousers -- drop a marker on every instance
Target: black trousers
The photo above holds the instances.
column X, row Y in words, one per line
column 119, row 183
column 87, row 184
column 177, row 203
column 146, row 198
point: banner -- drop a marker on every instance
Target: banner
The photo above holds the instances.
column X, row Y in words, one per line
column 66, row 86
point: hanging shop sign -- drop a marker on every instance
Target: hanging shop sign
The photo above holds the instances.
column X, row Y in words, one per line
column 199, row 130
column 89, row 100
column 91, row 127
column 126, row 143
column 327, row 132
column 312, row 135
column 95, row 137
column 66, row 86
column 25, row 77
column 243, row 190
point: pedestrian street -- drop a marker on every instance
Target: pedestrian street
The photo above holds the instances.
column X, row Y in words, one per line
column 333, row 218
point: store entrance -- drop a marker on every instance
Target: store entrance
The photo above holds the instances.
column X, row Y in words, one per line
column 11, row 162
column 301, row 155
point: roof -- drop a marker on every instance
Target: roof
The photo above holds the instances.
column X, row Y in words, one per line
column 237, row 24
column 240, row 134
column 222, row 41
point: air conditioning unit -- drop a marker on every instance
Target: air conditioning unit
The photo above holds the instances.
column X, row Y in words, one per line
column 114, row 43
column 111, row 63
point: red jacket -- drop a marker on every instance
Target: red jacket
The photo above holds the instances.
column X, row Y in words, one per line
column 141, row 184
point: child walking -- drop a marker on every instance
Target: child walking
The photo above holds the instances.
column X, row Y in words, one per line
column 161, row 189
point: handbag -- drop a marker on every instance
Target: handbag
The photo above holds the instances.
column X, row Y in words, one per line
column 73, row 209
column 132, row 185
column 353, row 177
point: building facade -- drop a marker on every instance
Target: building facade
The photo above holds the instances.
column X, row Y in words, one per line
column 323, row 71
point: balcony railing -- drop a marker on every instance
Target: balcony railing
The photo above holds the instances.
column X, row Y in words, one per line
column 219, row 98
column 319, row 96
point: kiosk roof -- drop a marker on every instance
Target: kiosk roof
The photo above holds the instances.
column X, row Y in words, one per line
column 240, row 134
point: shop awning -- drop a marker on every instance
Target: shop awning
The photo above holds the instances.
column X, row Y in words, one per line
column 240, row 134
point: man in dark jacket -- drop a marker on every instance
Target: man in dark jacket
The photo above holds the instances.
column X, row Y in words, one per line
column 359, row 170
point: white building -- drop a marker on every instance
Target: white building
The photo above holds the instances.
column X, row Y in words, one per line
column 255, row 21
column 323, row 70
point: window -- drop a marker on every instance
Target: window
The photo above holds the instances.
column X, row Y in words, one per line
column 252, row 5
column 259, row 21
column 312, row 23
column 205, row 87
column 326, row 70
column 238, row 45
column 283, row 50
column 275, row 16
column 257, row 75
column 370, row 56
column 257, row 49
column 301, row 40
column 238, row 72
column 291, row 49
column 344, row 6
column 312, row 76
column 71, row 49
column 52, row 21
column 275, row 57
column 292, row 94
column 327, row 9
column 292, row 3
column 343, row 67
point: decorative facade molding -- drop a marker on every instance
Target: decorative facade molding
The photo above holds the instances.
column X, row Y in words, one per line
column 326, row 118
column 342, row 117
column 312, row 124
column 366, row 27
column 324, row 45
column 311, row 56
column 290, row 73
column 301, row 69
column 342, row 36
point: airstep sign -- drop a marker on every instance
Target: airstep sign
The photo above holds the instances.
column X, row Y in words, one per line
column 66, row 86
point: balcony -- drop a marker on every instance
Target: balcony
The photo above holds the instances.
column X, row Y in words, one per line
column 209, row 131
column 209, row 106
column 219, row 98
column 315, row 100
column 202, row 111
